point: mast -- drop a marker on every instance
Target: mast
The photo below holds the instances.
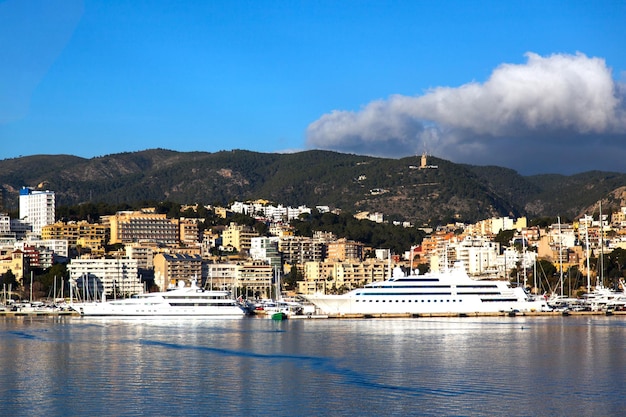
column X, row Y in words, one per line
column 535, row 277
column 587, row 250
column 561, row 254
column 601, row 248
column 524, row 259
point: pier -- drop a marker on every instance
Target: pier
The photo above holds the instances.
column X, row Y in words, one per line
column 35, row 313
column 71, row 313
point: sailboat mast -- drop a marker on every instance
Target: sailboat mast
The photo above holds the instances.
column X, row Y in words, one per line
column 587, row 242
column 601, row 247
column 524, row 259
column 561, row 254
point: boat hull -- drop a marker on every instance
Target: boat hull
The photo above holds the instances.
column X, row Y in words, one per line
column 136, row 311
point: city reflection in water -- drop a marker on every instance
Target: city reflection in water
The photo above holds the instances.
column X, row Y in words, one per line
column 464, row 366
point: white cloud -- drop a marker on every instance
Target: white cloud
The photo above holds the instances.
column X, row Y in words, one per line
column 557, row 102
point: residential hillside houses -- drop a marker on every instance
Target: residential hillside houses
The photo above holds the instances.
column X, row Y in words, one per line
column 135, row 251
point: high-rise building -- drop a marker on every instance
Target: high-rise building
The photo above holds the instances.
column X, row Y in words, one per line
column 141, row 226
column 37, row 208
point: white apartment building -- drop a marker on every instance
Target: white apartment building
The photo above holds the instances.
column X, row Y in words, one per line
column 479, row 255
column 37, row 208
column 58, row 248
column 5, row 224
column 277, row 213
column 265, row 249
column 512, row 258
column 116, row 277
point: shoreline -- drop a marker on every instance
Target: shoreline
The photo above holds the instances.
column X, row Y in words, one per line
column 365, row 316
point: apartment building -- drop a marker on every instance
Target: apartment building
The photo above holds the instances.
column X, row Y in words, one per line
column 256, row 279
column 343, row 249
column 142, row 253
column 239, row 237
column 171, row 268
column 221, row 276
column 338, row 276
column 265, row 249
column 5, row 224
column 299, row 249
column 144, row 225
column 188, row 231
column 91, row 236
column 36, row 208
column 58, row 247
column 114, row 277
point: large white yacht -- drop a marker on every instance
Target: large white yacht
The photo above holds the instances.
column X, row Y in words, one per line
column 180, row 301
column 451, row 291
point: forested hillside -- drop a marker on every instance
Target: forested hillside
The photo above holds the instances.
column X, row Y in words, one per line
column 354, row 183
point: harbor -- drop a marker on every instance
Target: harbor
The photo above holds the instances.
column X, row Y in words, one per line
column 426, row 366
column 318, row 316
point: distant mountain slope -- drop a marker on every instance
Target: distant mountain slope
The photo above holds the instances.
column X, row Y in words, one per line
column 395, row 187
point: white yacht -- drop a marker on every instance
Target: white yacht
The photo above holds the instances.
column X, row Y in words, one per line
column 452, row 291
column 180, row 301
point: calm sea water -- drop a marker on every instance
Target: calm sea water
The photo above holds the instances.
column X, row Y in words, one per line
column 256, row 367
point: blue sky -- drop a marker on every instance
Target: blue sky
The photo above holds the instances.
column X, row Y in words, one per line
column 537, row 86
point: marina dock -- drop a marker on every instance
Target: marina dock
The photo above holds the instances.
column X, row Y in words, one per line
column 70, row 313
column 18, row 313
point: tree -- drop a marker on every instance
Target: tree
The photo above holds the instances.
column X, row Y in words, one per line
column 9, row 278
column 291, row 279
column 504, row 237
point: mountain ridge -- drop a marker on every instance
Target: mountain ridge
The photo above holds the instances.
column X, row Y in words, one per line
column 396, row 187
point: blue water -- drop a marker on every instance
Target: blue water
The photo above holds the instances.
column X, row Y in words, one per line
column 514, row 366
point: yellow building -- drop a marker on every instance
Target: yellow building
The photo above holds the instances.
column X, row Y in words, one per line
column 89, row 235
column 171, row 268
column 343, row 249
column 188, row 231
column 239, row 237
column 16, row 262
column 338, row 277
column 256, row 279
column 144, row 225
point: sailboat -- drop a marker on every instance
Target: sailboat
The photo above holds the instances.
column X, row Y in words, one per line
column 603, row 298
column 281, row 309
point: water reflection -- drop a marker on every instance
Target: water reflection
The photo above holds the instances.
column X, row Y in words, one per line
column 469, row 366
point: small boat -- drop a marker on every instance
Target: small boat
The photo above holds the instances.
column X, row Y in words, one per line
column 278, row 316
column 281, row 309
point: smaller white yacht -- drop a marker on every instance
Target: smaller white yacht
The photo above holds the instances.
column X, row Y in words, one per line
column 180, row 301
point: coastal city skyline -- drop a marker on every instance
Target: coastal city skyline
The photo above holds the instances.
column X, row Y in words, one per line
column 535, row 87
